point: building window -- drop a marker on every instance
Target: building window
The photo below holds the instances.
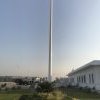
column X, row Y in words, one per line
column 92, row 78
column 77, row 79
column 89, row 78
column 84, row 79
column 81, row 79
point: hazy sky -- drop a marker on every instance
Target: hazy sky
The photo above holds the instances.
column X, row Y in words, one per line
column 24, row 36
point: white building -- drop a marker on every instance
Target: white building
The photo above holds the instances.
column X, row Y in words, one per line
column 86, row 76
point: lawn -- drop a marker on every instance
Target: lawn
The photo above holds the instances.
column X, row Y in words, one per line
column 68, row 94
column 82, row 94
column 9, row 96
column 14, row 95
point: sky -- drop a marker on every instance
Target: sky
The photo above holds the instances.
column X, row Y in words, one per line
column 24, row 26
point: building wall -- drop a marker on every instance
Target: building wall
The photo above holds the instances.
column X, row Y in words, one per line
column 91, row 80
column 97, row 77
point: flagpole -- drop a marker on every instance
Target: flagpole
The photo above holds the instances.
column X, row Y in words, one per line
column 50, row 41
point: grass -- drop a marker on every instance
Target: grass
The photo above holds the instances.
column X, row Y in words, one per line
column 66, row 94
column 13, row 94
column 82, row 94
column 56, row 95
column 10, row 96
column 16, row 94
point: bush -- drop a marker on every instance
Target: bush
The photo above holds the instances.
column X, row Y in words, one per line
column 6, row 89
column 19, row 87
column 13, row 88
column 3, row 85
column 81, row 88
column 86, row 89
column 24, row 97
column 45, row 87
column 38, row 89
column 93, row 88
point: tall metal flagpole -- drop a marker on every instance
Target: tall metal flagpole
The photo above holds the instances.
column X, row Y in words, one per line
column 50, row 42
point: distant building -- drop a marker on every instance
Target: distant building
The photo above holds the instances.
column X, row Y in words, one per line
column 86, row 76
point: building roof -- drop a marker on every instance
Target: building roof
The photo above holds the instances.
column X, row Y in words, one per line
column 92, row 63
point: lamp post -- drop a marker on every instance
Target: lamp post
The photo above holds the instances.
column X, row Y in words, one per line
column 50, row 40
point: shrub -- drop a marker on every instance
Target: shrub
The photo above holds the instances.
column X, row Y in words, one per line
column 44, row 87
column 87, row 89
column 13, row 88
column 80, row 88
column 19, row 87
column 3, row 85
column 6, row 89
column 93, row 88
column 24, row 97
